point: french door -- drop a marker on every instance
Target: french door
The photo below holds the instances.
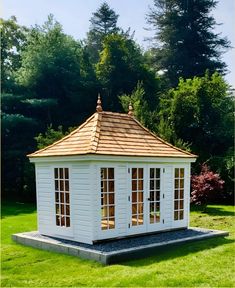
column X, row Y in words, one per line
column 137, row 200
column 146, row 198
column 155, row 191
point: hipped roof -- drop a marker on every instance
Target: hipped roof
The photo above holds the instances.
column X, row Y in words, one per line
column 108, row 133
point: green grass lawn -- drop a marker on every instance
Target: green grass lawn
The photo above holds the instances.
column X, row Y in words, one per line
column 208, row 263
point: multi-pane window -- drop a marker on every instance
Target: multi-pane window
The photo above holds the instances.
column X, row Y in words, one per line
column 137, row 197
column 62, row 205
column 154, row 199
column 179, row 194
column 107, row 198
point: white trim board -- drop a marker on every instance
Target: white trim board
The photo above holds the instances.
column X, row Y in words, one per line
column 131, row 159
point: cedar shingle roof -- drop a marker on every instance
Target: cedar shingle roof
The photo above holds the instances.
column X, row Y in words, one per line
column 108, row 133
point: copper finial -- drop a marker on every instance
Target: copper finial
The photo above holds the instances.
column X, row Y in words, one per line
column 130, row 112
column 99, row 107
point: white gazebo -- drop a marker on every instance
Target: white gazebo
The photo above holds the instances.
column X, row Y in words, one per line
column 111, row 178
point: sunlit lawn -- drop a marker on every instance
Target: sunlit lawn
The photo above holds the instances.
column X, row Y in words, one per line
column 207, row 263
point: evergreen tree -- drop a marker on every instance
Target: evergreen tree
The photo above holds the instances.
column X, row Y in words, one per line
column 119, row 69
column 103, row 23
column 13, row 40
column 185, row 42
column 17, row 140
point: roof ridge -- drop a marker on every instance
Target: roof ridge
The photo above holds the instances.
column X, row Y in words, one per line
column 163, row 141
column 96, row 133
column 64, row 138
column 115, row 113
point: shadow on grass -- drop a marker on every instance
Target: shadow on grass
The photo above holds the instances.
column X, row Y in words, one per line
column 212, row 211
column 177, row 251
column 16, row 208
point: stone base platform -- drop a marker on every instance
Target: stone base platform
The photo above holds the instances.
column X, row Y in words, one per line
column 115, row 251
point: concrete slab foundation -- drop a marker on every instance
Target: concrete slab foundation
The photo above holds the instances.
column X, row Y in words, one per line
column 117, row 250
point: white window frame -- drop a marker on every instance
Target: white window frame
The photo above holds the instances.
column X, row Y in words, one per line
column 62, row 230
column 158, row 225
column 107, row 233
column 139, row 228
column 181, row 222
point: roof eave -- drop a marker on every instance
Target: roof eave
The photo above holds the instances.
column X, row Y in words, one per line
column 107, row 157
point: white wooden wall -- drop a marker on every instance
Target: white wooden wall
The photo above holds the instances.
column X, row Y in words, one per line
column 45, row 198
column 80, row 201
column 122, row 200
column 168, row 205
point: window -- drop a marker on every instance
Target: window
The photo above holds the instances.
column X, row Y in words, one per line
column 62, row 206
column 137, row 196
column 107, row 198
column 179, row 194
column 154, row 192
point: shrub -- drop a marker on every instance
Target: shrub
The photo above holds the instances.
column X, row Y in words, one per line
column 206, row 187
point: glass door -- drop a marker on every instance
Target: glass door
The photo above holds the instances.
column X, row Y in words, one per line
column 155, row 198
column 146, row 199
column 137, row 200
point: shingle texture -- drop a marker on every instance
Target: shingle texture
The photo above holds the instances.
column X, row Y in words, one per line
column 108, row 133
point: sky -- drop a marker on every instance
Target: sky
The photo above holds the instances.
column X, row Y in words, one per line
column 74, row 16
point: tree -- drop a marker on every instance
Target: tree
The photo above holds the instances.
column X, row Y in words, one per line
column 104, row 20
column 49, row 61
column 206, row 187
column 17, row 140
column 103, row 23
column 139, row 104
column 201, row 113
column 185, row 44
column 50, row 136
column 54, row 79
column 13, row 40
column 119, row 69
column 18, row 130
column 52, row 73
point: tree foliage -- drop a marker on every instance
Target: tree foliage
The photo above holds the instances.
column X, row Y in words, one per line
column 121, row 56
column 139, row 104
column 13, row 40
column 17, row 135
column 50, row 80
column 185, row 44
column 53, row 67
column 50, row 136
column 51, row 57
column 53, row 80
column 104, row 20
column 206, row 187
column 200, row 112
column 103, row 23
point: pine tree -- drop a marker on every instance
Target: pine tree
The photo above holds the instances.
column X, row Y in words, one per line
column 104, row 20
column 103, row 23
column 185, row 44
